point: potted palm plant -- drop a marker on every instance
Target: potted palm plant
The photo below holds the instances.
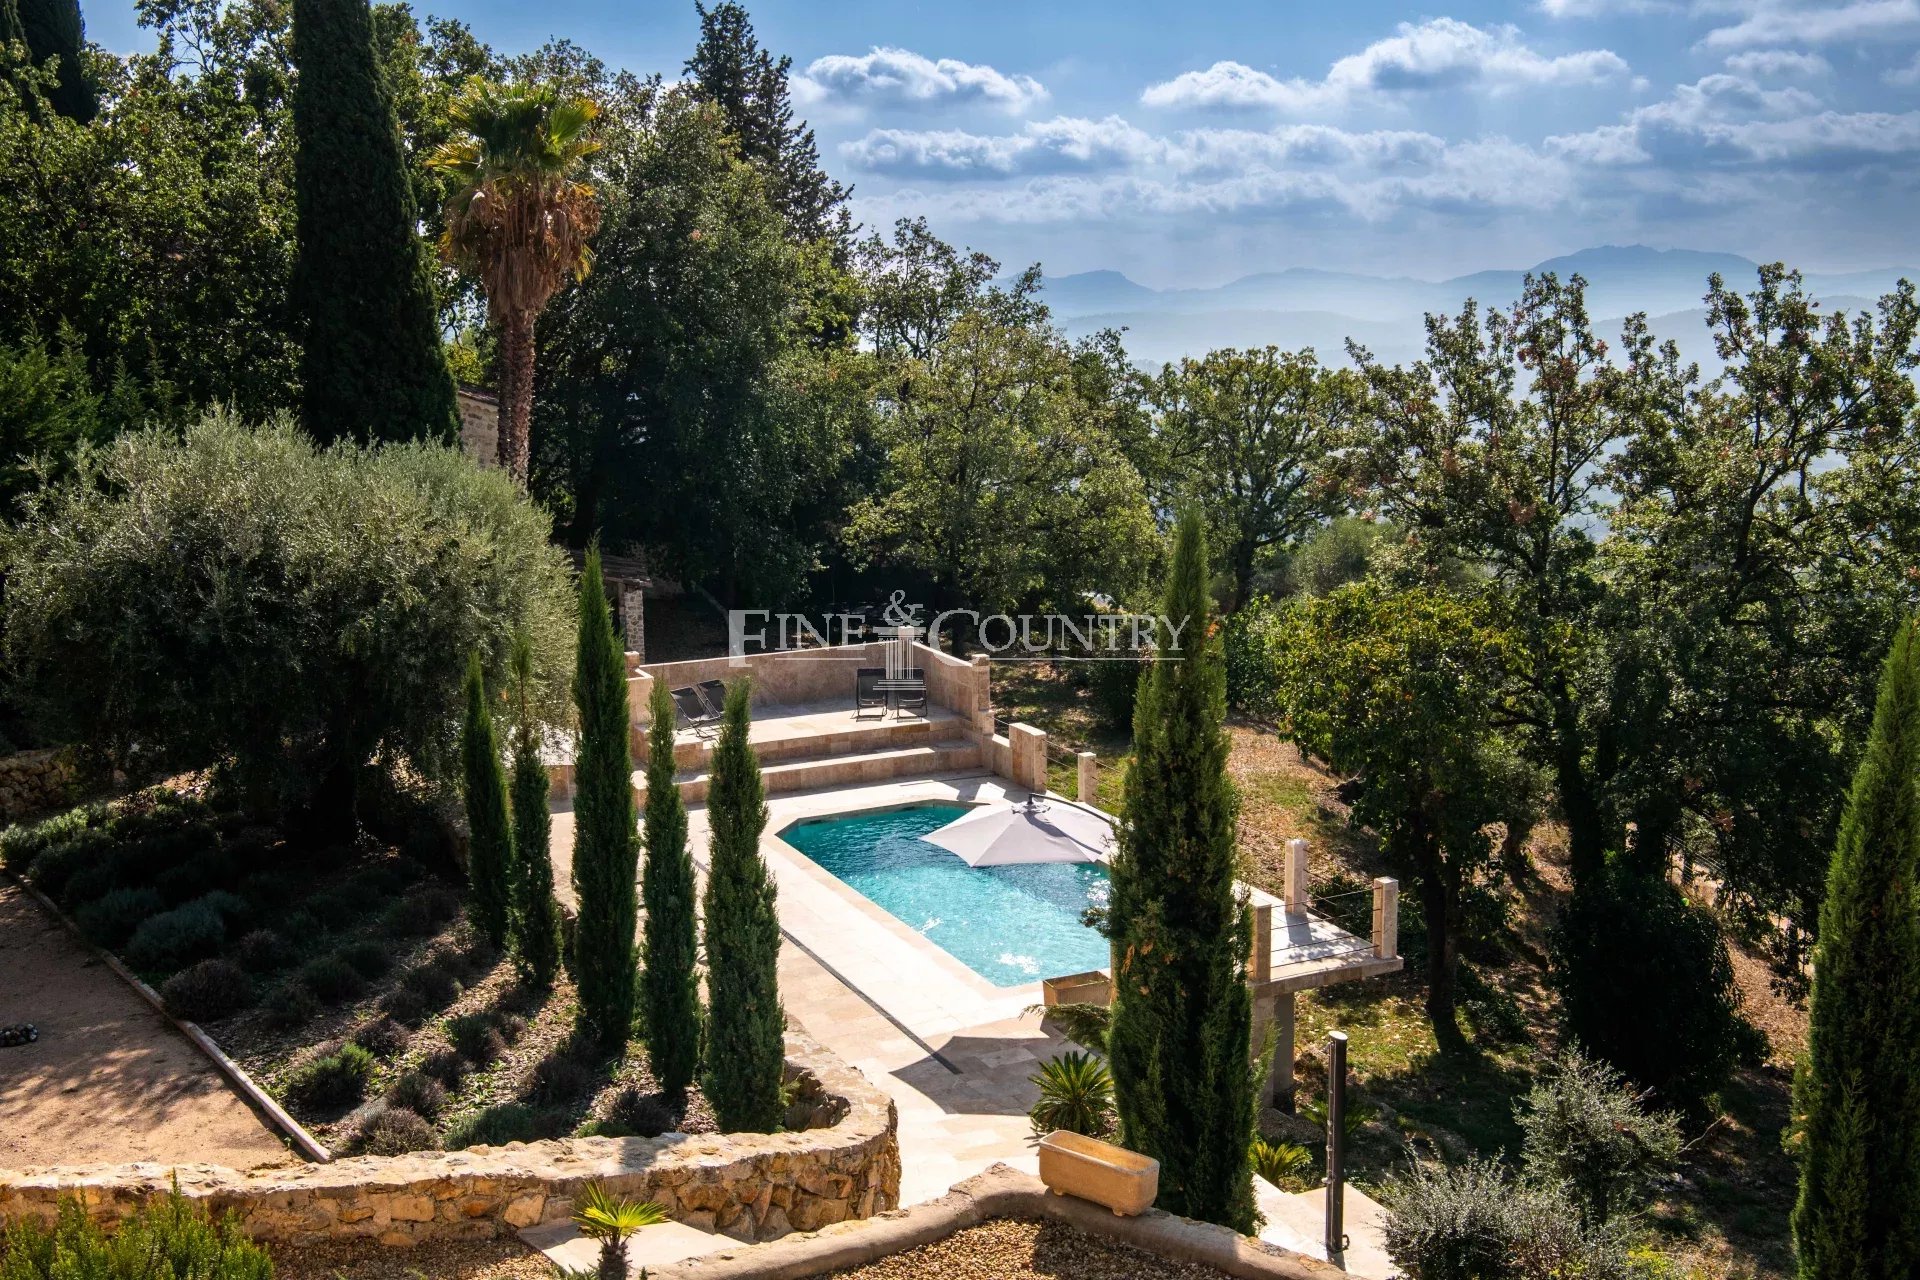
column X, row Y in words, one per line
column 610, row 1220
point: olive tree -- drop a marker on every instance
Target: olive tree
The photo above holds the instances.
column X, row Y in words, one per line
column 236, row 597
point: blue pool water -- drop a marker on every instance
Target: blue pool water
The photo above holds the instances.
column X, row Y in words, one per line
column 1008, row 924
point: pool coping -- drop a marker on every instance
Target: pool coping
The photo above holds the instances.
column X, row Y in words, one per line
column 928, row 993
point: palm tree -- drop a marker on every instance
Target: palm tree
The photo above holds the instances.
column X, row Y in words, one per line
column 520, row 219
column 609, row 1220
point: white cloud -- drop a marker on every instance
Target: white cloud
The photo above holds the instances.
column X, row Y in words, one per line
column 1441, row 53
column 902, row 78
column 1906, row 76
column 1600, row 8
column 1778, row 62
column 1063, row 144
column 1775, row 22
column 1729, row 120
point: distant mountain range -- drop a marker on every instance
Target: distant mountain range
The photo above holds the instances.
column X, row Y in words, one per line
column 1304, row 307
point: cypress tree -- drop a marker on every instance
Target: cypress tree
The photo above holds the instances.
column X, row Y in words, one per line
column 536, row 916
column 605, row 841
column 54, row 29
column 1182, row 1012
column 371, row 364
column 746, row 1051
column 730, row 69
column 669, row 987
column 489, row 837
column 1857, row 1094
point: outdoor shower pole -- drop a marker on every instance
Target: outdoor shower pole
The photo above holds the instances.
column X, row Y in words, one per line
column 1336, row 1143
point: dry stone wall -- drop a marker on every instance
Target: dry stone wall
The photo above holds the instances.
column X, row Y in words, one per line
column 749, row 1186
column 34, row 781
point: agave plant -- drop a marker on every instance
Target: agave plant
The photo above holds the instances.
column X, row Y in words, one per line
column 1076, row 1094
column 1356, row 1117
column 610, row 1220
column 1280, row 1162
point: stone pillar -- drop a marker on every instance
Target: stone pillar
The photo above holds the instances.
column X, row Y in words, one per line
column 633, row 621
column 1260, row 962
column 979, row 712
column 1296, row 877
column 1029, row 757
column 1273, row 1018
column 1089, row 780
column 1386, row 917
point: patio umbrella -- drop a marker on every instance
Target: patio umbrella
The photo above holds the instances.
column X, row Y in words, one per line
column 1037, row 831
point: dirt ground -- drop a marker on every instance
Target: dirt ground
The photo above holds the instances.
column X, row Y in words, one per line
column 109, row 1080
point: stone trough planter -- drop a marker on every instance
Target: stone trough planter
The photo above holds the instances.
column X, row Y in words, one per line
column 1072, row 1164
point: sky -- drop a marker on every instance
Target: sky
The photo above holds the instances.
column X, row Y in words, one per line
column 1191, row 143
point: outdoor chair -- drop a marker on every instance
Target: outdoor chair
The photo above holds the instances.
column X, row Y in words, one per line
column 910, row 691
column 867, row 694
column 715, row 692
column 690, row 710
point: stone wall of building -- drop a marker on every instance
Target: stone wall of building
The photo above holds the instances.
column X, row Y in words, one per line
column 749, row 1186
column 34, row 781
column 479, row 425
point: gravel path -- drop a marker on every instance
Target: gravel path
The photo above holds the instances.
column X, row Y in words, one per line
column 1007, row 1249
column 109, row 1079
column 365, row 1260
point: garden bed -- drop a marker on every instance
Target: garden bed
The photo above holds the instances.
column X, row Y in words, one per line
column 344, row 981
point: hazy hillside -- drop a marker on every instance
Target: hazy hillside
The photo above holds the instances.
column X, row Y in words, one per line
column 1303, row 307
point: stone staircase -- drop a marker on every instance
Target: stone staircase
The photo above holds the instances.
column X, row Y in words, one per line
column 849, row 754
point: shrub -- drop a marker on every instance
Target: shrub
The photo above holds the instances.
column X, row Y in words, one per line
column 61, row 858
column 404, row 1006
column 1113, row 686
column 396, row 557
column 111, row 920
column 291, row 1005
column 536, row 916
column 419, row 914
column 507, row 1122
column 511, row 1026
column 1281, row 1163
column 368, row 959
column 1586, row 1129
column 476, row 1038
column 177, row 937
column 382, row 1037
column 1646, row 983
column 21, row 844
column 562, row 1078
column 1076, row 1094
column 1470, row 1223
column 389, row 1130
column 644, row 1115
column 447, row 1067
column 263, row 951
column 331, row 979
column 419, row 1093
column 334, row 1079
column 90, row 880
column 432, row 983
column 205, row 871
column 208, row 991
column 344, row 905
column 176, row 1233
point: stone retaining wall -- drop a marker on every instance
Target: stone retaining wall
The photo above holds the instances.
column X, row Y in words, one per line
column 749, row 1186
column 34, row 781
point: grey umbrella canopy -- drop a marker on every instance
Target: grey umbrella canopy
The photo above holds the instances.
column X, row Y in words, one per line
column 1035, row 832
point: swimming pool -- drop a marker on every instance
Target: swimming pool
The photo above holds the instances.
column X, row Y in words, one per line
column 1010, row 925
